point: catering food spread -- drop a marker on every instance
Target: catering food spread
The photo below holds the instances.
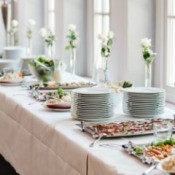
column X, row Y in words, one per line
column 152, row 152
column 54, row 86
column 125, row 128
column 12, row 77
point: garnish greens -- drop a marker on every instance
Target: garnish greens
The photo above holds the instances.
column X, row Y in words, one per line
column 127, row 84
column 61, row 92
column 138, row 151
column 170, row 141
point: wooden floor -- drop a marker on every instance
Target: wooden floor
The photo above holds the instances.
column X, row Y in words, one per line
column 6, row 168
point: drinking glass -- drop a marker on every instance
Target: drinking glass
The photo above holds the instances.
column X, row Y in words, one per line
column 162, row 131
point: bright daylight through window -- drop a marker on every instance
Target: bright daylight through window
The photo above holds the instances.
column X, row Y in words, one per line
column 101, row 21
column 171, row 43
column 51, row 14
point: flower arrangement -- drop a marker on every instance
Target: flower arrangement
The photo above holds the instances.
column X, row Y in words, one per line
column 106, row 42
column 73, row 38
column 12, row 31
column 31, row 24
column 49, row 38
column 148, row 54
column 73, row 41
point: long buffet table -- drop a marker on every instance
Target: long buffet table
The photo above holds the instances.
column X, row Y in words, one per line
column 40, row 142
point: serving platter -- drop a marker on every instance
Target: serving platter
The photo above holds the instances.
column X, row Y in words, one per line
column 126, row 128
column 63, row 86
column 61, row 109
column 10, row 83
column 150, row 153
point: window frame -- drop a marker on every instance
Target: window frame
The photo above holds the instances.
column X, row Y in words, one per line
column 91, row 33
column 59, row 23
column 170, row 91
column 47, row 11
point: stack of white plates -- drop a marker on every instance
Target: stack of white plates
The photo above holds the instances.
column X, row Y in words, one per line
column 92, row 104
column 144, row 102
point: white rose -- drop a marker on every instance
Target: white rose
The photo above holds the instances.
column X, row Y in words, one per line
column 146, row 42
column 102, row 37
column 111, row 35
column 31, row 22
column 51, row 31
column 72, row 27
column 43, row 32
column 14, row 23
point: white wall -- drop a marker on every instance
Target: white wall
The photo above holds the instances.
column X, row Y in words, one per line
column 131, row 21
column 2, row 31
column 119, row 25
column 141, row 24
column 75, row 13
column 25, row 10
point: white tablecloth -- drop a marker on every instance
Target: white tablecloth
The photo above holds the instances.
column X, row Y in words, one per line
column 40, row 142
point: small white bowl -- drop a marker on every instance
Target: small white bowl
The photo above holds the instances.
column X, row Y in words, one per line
column 160, row 165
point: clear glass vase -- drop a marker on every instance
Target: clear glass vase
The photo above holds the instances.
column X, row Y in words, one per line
column 29, row 47
column 148, row 74
column 12, row 40
column 106, row 70
column 50, row 51
column 73, row 61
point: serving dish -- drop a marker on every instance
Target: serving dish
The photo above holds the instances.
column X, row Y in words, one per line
column 11, row 79
column 57, row 109
column 59, row 104
column 123, row 128
column 167, row 165
column 151, row 152
column 53, row 86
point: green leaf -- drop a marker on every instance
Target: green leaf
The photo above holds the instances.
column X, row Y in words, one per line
column 68, row 47
column 127, row 84
column 138, row 151
column 110, row 42
column 61, row 92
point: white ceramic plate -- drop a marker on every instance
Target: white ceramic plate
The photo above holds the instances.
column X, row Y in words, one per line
column 159, row 167
column 10, row 84
column 93, row 91
column 57, row 110
column 144, row 90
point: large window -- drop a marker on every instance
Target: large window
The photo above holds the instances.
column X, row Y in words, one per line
column 101, row 21
column 169, row 63
column 50, row 14
column 171, row 43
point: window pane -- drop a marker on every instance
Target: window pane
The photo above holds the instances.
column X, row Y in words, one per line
column 105, row 24
column 97, row 31
column 51, row 22
column 106, row 6
column 51, row 5
column 171, row 52
column 97, row 6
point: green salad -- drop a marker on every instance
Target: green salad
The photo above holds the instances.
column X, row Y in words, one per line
column 42, row 68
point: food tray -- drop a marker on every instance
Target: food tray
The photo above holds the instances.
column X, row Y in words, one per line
column 127, row 128
column 151, row 152
column 41, row 96
column 64, row 86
